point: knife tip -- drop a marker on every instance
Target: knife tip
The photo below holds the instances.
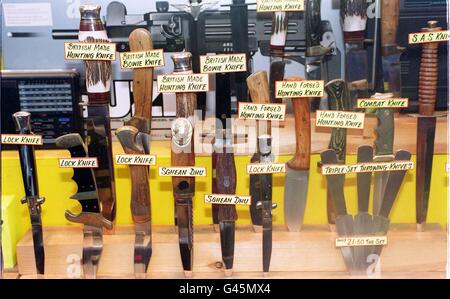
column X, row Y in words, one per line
column 332, row 227
column 216, row 228
column 228, row 272
column 266, row 274
column 257, row 228
column 420, row 227
column 140, row 275
column 188, row 274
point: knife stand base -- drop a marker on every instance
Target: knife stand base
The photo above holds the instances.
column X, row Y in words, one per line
column 310, row 253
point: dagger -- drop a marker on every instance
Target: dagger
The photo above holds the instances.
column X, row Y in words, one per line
column 426, row 124
column 339, row 100
column 314, row 50
column 354, row 20
column 262, row 203
column 297, row 170
column 277, row 44
column 32, row 198
column 88, row 198
column 183, row 155
column 98, row 84
column 135, row 139
column 344, row 221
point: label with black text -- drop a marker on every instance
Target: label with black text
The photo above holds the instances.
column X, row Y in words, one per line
column 279, row 5
column 261, row 111
column 22, row 139
column 78, row 163
column 333, row 169
column 428, row 37
column 89, row 51
column 225, row 63
column 228, row 199
column 263, row 168
column 183, row 83
column 182, row 171
column 142, row 59
column 340, row 119
column 299, row 89
column 382, row 103
column 135, row 160
column 361, row 241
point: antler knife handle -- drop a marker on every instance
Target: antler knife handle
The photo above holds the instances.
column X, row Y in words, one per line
column 339, row 100
column 141, row 40
column 313, row 24
column 22, row 121
column 302, row 116
column 354, row 19
column 132, row 144
column 428, row 74
column 390, row 11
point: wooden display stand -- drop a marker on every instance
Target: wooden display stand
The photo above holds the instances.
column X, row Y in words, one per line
column 308, row 254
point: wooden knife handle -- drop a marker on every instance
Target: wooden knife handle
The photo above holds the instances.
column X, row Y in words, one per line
column 390, row 11
column 140, row 188
column 141, row 40
column 226, row 184
column 258, row 86
column 301, row 107
column 428, row 74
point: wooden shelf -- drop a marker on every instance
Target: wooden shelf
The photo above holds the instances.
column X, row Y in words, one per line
column 308, row 254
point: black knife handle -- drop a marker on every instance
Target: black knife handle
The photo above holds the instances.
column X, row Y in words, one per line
column 313, row 23
column 335, row 183
column 26, row 152
column 365, row 155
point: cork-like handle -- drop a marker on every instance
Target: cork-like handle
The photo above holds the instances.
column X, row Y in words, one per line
column 141, row 40
column 428, row 74
column 390, row 11
column 302, row 117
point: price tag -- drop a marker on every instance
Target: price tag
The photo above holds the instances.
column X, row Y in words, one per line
column 361, row 241
column 299, row 89
column 78, row 163
column 383, row 103
column 279, row 5
column 228, row 199
column 89, row 51
column 142, row 59
column 226, row 63
column 332, row 169
column 183, row 83
column 256, row 111
column 182, row 171
column 340, row 119
column 263, row 168
column 22, row 139
column 428, row 37
column 135, row 160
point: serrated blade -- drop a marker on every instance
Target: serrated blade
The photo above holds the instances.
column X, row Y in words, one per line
column 295, row 195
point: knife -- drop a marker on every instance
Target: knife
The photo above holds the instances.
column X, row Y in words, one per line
column 258, row 86
column 297, row 169
column 384, row 148
column 98, row 84
column 183, row 155
column 314, row 50
column 30, row 182
column 426, row 124
column 90, row 214
column 135, row 139
column 354, row 20
column 344, row 221
column 338, row 100
column 363, row 220
column 277, row 44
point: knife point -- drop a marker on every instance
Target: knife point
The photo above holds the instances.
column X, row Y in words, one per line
column 140, row 275
column 266, row 274
column 332, row 227
column 257, row 228
column 228, row 272
column 420, row 227
column 188, row 274
column 216, row 228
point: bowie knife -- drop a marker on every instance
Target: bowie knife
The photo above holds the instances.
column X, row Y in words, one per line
column 98, row 84
column 183, row 155
column 32, row 198
column 88, row 198
column 384, row 148
column 259, row 89
column 135, row 139
column 297, row 169
column 314, row 50
column 339, row 100
column 354, row 19
column 390, row 11
column 277, row 44
column 363, row 220
column 426, row 124
column 344, row 221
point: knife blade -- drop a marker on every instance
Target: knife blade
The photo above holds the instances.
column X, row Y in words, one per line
column 426, row 124
column 297, row 169
column 384, row 148
column 338, row 100
column 277, row 44
column 135, row 139
column 30, row 181
column 90, row 215
column 344, row 221
column 183, row 155
column 98, row 85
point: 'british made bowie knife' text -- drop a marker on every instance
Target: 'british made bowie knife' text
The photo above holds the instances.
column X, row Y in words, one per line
column 30, row 182
column 90, row 214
